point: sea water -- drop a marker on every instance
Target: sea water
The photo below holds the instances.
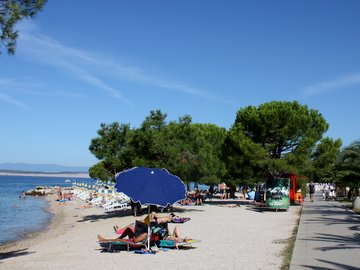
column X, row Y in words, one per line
column 19, row 217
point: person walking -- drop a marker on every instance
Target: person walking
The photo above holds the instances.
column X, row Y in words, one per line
column 311, row 191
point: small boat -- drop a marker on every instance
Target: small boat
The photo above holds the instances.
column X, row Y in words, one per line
column 67, row 181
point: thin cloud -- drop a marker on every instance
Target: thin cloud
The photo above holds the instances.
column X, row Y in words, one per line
column 87, row 67
column 84, row 76
column 51, row 52
column 8, row 83
column 12, row 101
column 19, row 83
column 324, row 87
column 30, row 87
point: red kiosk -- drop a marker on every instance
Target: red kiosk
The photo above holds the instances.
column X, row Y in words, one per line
column 295, row 188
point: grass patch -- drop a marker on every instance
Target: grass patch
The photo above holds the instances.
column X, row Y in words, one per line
column 289, row 248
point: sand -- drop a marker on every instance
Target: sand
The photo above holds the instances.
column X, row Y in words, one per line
column 233, row 235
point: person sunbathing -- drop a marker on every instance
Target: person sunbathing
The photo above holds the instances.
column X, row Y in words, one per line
column 166, row 219
column 186, row 201
column 137, row 234
column 176, row 236
column 162, row 222
column 119, row 230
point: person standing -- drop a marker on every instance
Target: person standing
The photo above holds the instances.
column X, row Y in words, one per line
column 332, row 191
column 311, row 191
column 222, row 189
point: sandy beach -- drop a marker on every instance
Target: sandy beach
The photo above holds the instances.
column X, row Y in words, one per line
column 233, row 235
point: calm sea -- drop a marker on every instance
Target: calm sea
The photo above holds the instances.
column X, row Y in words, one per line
column 19, row 217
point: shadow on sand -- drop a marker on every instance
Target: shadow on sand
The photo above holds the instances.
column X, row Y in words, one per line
column 14, row 253
column 332, row 265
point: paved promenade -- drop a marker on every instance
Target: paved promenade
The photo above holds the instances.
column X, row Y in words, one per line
column 328, row 237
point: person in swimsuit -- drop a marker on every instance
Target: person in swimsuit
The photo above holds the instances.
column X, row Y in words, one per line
column 137, row 234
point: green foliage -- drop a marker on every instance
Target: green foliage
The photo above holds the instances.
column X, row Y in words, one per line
column 145, row 144
column 209, row 141
column 245, row 160
column 98, row 171
column 323, row 160
column 191, row 151
column 111, row 148
column 273, row 138
column 11, row 12
column 178, row 150
column 347, row 167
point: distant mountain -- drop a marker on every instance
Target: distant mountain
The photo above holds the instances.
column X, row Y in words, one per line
column 49, row 168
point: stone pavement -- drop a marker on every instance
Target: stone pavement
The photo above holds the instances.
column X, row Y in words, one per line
column 328, row 237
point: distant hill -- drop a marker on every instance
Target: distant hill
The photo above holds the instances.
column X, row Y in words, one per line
column 45, row 168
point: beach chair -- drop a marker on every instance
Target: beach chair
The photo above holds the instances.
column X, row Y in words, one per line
column 176, row 245
column 95, row 201
column 122, row 244
column 115, row 205
column 126, row 244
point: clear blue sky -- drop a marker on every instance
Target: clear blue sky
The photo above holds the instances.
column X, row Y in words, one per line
column 82, row 63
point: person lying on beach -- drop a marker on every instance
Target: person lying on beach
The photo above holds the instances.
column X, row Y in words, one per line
column 161, row 223
column 166, row 219
column 128, row 232
column 154, row 217
column 137, row 234
column 169, row 218
column 176, row 236
column 186, row 201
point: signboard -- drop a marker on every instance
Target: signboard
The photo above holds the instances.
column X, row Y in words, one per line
column 277, row 193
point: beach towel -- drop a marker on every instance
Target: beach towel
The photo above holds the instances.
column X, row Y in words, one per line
column 180, row 220
column 173, row 244
column 144, row 251
column 167, row 243
column 139, row 228
column 121, row 231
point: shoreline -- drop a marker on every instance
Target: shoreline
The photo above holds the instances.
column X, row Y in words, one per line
column 32, row 236
column 67, row 175
column 233, row 235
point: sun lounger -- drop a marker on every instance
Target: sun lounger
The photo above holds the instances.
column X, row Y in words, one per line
column 121, row 244
column 177, row 245
column 127, row 244
column 115, row 205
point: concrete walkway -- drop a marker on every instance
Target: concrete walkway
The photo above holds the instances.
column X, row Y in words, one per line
column 328, row 237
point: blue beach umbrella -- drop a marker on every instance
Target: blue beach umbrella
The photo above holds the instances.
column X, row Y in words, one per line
column 150, row 186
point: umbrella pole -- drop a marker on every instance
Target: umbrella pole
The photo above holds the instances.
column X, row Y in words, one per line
column 149, row 230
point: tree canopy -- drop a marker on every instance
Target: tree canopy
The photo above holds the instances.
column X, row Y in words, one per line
column 275, row 137
column 347, row 167
column 323, row 160
column 111, row 148
column 191, row 151
column 11, row 12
